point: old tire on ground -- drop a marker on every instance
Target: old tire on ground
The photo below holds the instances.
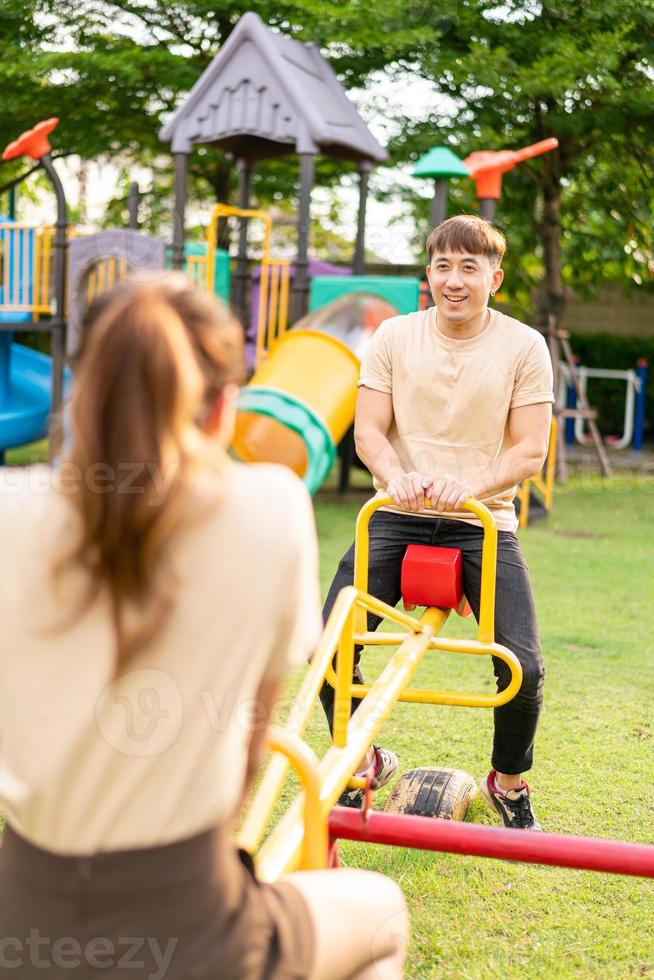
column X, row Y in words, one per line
column 430, row 792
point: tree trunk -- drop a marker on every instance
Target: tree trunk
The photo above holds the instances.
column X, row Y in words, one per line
column 552, row 300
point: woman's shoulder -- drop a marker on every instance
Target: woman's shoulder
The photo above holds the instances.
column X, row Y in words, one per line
column 26, row 489
column 278, row 485
column 34, row 516
column 271, row 494
column 266, row 506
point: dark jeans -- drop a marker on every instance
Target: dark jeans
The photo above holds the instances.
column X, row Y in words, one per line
column 515, row 616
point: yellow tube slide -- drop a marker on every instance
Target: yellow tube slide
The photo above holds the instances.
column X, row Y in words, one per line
column 300, row 402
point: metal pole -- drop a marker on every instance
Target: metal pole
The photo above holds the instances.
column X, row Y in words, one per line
column 487, row 207
column 300, row 288
column 181, row 180
column 358, row 264
column 133, row 199
column 242, row 272
column 451, row 836
column 641, row 374
column 439, row 202
column 58, row 325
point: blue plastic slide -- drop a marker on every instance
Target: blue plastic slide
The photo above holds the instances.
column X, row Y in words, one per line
column 25, row 389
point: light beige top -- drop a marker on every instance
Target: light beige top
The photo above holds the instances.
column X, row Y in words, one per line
column 452, row 398
column 160, row 755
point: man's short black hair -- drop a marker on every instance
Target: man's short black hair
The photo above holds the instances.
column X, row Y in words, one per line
column 467, row 233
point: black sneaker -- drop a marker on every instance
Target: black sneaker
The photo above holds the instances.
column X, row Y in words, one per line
column 513, row 806
column 352, row 798
column 385, row 768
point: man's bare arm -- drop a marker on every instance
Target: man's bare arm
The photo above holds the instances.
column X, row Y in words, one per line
column 374, row 415
column 529, row 429
column 372, row 421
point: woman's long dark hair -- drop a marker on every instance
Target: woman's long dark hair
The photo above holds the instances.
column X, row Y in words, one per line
column 155, row 361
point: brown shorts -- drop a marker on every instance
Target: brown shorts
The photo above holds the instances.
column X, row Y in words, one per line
column 192, row 910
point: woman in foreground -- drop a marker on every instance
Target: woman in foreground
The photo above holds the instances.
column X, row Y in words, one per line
column 153, row 596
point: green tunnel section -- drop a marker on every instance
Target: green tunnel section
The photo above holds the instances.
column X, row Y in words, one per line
column 402, row 292
column 299, row 418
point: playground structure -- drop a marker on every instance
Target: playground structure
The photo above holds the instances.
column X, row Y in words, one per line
column 272, row 313
column 48, row 278
column 263, row 96
column 300, row 402
column 25, row 375
column 635, row 382
column 21, row 395
column 305, row 835
column 485, row 167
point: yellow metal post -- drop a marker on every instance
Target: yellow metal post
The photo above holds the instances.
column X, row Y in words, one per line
column 45, row 279
column 306, row 764
column 343, row 691
column 550, row 470
column 544, row 481
column 273, row 306
column 262, row 318
column 285, row 267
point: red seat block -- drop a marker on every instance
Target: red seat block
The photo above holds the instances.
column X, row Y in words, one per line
column 432, row 576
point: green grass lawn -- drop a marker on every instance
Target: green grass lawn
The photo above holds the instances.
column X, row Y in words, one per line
column 34, row 452
column 592, row 566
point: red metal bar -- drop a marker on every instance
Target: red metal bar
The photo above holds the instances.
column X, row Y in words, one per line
column 585, row 853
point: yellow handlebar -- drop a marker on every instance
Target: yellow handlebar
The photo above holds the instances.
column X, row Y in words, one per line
column 307, row 766
column 486, row 631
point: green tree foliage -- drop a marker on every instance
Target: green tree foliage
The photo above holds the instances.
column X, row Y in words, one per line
column 113, row 70
column 581, row 70
column 504, row 74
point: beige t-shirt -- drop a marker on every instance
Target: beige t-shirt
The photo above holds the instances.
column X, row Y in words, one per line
column 452, row 398
column 160, row 755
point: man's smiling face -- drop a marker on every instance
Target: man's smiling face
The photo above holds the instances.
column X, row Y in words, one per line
column 460, row 284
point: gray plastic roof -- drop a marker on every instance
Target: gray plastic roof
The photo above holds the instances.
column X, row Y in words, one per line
column 264, row 95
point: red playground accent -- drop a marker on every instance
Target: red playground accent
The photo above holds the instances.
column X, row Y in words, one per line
column 487, row 166
column 432, row 576
column 453, row 837
column 33, row 143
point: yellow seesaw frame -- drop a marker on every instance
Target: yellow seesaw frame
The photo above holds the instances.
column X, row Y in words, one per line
column 324, row 780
